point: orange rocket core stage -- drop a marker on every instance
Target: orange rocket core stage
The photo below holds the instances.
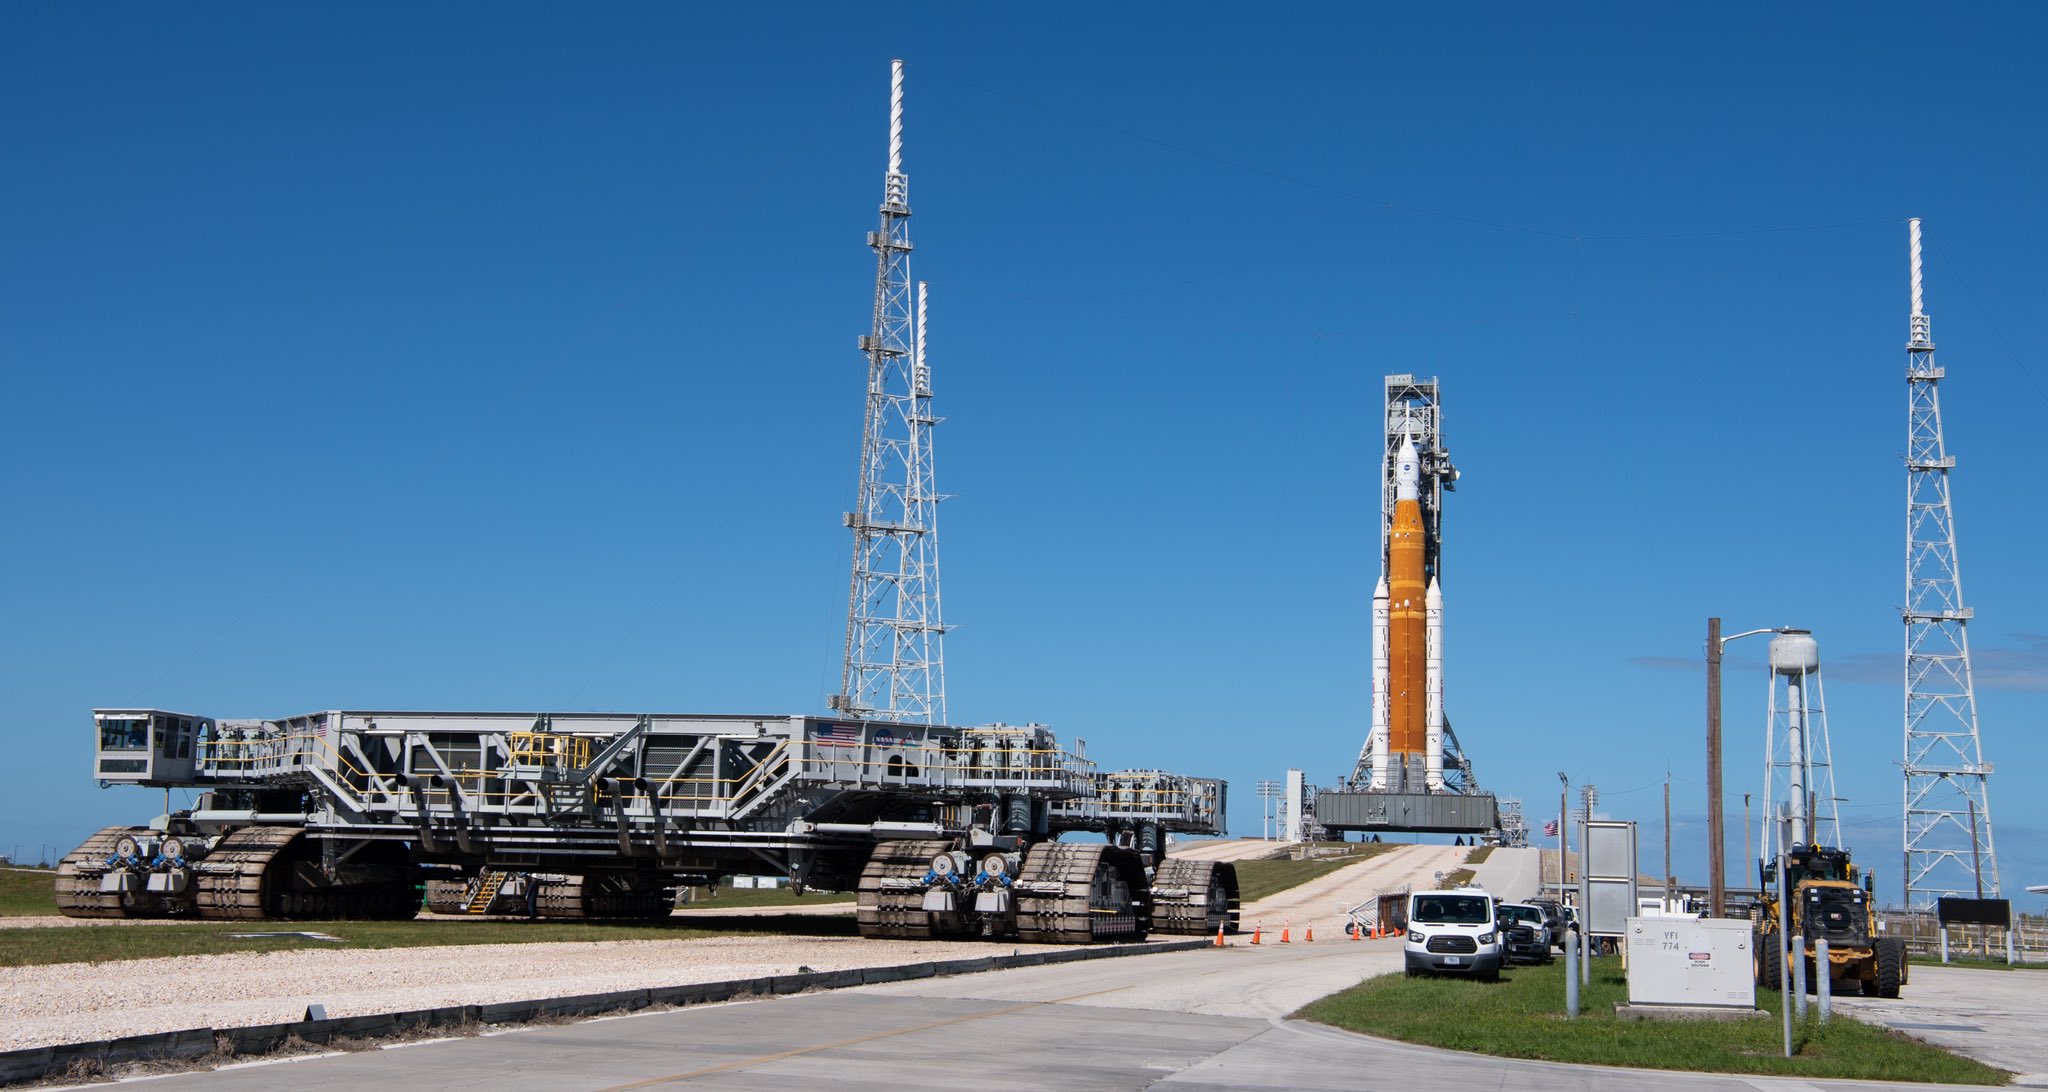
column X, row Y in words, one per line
column 1407, row 637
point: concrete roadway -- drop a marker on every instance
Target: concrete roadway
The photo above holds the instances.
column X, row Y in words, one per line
column 1992, row 1016
column 1227, row 849
column 1513, row 875
column 1186, row 1020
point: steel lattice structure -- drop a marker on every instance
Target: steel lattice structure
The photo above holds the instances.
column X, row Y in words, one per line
column 894, row 667
column 1948, row 846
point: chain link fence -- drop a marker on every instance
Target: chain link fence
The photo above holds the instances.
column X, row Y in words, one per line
column 1922, row 934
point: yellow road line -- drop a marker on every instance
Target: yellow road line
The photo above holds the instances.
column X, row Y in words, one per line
column 800, row 1051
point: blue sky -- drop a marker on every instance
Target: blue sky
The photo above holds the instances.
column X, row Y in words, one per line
column 503, row 356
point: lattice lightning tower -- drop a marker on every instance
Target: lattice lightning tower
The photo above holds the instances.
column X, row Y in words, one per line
column 1948, row 811
column 895, row 660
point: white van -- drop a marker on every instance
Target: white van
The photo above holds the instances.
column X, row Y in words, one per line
column 1453, row 931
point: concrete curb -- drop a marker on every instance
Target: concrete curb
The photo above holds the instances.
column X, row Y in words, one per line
column 192, row 1044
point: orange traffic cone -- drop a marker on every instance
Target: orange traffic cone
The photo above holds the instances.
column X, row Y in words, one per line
column 1286, row 927
column 1357, row 931
column 1308, row 935
column 1219, row 937
column 1255, row 933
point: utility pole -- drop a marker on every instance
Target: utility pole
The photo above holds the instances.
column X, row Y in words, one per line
column 1717, row 856
column 1667, row 841
column 1588, row 795
column 1745, row 828
column 1564, row 803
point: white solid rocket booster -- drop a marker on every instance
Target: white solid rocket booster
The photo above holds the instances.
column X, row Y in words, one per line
column 1377, row 740
column 1433, row 765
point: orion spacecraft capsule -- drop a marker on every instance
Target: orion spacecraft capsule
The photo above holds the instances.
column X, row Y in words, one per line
column 1407, row 740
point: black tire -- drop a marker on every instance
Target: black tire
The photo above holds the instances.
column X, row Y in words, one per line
column 1891, row 966
column 1770, row 962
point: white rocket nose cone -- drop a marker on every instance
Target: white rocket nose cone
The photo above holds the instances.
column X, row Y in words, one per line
column 1407, row 473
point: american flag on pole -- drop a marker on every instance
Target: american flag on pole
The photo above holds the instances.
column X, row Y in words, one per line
column 839, row 735
column 1550, row 828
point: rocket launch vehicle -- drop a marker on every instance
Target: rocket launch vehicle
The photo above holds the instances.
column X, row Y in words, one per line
column 1412, row 775
column 1405, row 749
column 1407, row 641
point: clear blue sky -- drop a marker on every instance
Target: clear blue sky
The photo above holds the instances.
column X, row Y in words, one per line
column 503, row 356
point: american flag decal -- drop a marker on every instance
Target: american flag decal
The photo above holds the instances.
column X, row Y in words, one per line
column 839, row 735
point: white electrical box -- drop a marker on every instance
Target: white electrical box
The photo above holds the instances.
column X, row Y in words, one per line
column 1691, row 961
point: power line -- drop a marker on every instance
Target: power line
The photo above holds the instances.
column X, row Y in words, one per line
column 1995, row 332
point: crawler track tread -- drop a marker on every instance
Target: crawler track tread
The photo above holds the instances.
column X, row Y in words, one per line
column 602, row 898
column 447, row 896
column 1077, row 915
column 896, row 915
column 235, row 881
column 78, row 878
column 1194, row 898
column 250, row 875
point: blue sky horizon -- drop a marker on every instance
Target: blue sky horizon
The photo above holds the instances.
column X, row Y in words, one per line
column 503, row 356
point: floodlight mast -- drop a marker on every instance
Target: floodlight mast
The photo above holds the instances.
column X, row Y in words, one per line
column 894, row 666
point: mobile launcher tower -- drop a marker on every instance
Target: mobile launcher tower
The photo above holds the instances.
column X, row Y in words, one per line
column 1412, row 775
column 943, row 831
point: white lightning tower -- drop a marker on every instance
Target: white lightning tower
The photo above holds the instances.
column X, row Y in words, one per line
column 895, row 659
column 1948, row 812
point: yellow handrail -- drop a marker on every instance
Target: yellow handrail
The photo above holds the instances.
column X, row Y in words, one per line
column 537, row 748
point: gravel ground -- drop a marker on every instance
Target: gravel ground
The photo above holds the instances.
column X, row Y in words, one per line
column 699, row 910
column 54, row 921
column 82, row 1002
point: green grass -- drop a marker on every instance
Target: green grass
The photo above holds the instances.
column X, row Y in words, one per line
column 1259, row 879
column 26, row 892
column 1522, row 1016
column 99, row 944
column 1458, row 878
column 1479, row 855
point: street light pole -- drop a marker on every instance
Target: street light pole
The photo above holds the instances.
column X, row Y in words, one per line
column 1717, row 863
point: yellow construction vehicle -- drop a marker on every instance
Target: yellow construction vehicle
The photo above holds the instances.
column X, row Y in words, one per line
column 1830, row 901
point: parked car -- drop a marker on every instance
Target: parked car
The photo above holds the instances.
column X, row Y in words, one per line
column 1453, row 931
column 1554, row 920
column 1525, row 933
column 1571, row 924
